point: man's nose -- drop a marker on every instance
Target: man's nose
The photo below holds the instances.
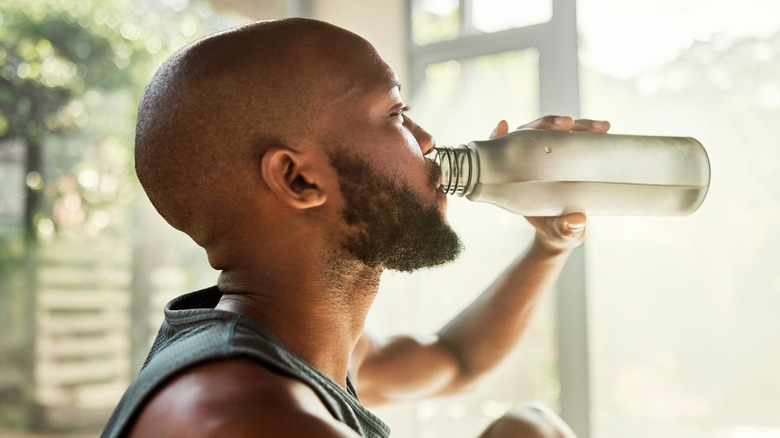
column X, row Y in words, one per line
column 424, row 139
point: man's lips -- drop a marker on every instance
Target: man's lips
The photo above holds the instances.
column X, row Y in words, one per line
column 434, row 177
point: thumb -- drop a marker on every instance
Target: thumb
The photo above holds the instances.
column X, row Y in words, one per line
column 501, row 129
column 574, row 223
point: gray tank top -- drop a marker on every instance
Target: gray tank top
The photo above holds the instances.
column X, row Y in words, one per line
column 194, row 332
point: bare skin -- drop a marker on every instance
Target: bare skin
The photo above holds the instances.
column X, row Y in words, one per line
column 315, row 298
column 529, row 421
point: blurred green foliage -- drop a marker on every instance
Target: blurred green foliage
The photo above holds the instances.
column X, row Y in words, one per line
column 71, row 73
column 54, row 51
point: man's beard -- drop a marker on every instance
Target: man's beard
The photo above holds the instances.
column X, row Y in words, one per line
column 390, row 225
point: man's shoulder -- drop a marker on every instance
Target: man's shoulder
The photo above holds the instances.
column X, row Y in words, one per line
column 236, row 397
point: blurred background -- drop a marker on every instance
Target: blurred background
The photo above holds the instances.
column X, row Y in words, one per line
column 658, row 327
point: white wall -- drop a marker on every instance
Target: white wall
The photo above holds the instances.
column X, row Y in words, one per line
column 381, row 23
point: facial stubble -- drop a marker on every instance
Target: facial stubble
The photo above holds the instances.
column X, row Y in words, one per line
column 390, row 226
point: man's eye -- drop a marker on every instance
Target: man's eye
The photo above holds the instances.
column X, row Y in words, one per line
column 401, row 111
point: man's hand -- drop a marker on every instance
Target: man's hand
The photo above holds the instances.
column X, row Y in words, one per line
column 567, row 123
column 561, row 232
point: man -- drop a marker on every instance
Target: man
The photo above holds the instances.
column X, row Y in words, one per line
column 282, row 148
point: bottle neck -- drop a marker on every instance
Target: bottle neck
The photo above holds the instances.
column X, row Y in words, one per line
column 459, row 168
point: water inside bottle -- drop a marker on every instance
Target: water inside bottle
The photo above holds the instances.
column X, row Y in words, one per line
column 552, row 198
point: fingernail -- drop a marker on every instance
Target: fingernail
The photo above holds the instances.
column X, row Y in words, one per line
column 575, row 227
column 559, row 120
column 597, row 124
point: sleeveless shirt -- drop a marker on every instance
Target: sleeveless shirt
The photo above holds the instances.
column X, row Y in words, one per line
column 194, row 332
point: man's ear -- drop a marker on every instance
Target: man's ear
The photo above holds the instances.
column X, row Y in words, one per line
column 292, row 178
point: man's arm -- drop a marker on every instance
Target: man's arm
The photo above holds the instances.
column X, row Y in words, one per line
column 480, row 337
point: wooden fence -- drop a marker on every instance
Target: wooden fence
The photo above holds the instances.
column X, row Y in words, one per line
column 82, row 342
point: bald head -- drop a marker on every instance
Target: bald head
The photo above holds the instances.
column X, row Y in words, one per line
column 215, row 107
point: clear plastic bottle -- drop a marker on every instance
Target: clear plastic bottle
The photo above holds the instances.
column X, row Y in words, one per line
column 548, row 173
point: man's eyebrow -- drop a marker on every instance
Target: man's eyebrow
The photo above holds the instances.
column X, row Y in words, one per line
column 395, row 83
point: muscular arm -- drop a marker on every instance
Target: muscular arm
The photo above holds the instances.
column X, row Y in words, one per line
column 481, row 336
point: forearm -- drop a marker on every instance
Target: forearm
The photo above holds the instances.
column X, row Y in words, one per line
column 486, row 331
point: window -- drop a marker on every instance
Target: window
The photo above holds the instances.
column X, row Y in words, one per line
column 683, row 318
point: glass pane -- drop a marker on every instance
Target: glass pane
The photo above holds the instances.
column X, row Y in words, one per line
column 435, row 20
column 683, row 319
column 496, row 15
column 462, row 100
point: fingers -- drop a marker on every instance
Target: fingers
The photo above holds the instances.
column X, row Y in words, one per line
column 560, row 227
column 501, row 129
column 591, row 125
column 560, row 232
column 573, row 223
column 567, row 123
column 557, row 123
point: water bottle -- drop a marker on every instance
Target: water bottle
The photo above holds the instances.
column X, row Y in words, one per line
column 548, row 173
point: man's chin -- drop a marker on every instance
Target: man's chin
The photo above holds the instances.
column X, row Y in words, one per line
column 438, row 248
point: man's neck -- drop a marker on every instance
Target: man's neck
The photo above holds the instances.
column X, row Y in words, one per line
column 319, row 318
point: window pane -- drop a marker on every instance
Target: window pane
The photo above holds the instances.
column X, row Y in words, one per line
column 462, row 100
column 497, row 15
column 683, row 320
column 435, row 20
